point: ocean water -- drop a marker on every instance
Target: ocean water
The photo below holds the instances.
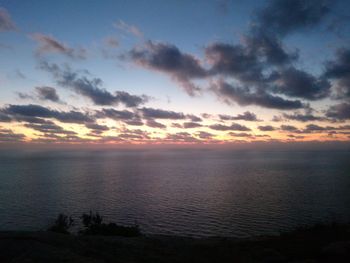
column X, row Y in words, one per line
column 177, row 192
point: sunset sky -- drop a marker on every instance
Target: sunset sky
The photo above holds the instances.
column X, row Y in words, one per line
column 174, row 72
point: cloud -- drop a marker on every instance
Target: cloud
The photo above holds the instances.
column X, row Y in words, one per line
column 96, row 129
column 115, row 114
column 289, row 128
column 131, row 29
column 181, row 137
column 234, row 60
column 4, row 117
column 269, row 49
column 295, row 136
column 169, row 59
column 111, row 42
column 48, row 44
column 232, row 127
column 6, row 23
column 7, row 135
column 241, row 134
column 41, row 93
column 205, row 135
column 339, row 70
column 244, row 96
column 246, row 116
column 303, row 117
column 161, row 114
column 191, row 125
column 266, row 128
column 47, row 93
column 296, row 83
column 95, row 126
column 310, row 128
column 288, row 16
column 20, row 112
column 91, row 87
column 134, row 122
column 154, row 124
column 339, row 111
column 134, row 135
column 193, row 118
column 49, row 128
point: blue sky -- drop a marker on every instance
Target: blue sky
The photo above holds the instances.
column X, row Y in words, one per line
column 196, row 32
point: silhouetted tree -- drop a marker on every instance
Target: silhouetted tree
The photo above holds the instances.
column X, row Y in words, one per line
column 62, row 224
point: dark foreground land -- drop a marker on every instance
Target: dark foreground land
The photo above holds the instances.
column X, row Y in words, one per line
column 316, row 244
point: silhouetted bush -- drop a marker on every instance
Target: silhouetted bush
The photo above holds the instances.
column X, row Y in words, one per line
column 62, row 224
column 93, row 225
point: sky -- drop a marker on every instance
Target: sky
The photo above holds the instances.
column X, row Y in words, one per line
column 174, row 72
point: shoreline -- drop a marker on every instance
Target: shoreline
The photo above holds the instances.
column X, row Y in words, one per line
column 321, row 243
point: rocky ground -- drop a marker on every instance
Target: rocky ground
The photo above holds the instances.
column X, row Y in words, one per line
column 317, row 244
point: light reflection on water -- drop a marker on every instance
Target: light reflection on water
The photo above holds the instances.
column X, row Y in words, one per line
column 183, row 192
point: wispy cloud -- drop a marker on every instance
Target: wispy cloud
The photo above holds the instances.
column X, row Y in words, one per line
column 130, row 29
column 6, row 23
column 48, row 44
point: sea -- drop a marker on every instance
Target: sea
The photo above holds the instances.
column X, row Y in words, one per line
column 184, row 192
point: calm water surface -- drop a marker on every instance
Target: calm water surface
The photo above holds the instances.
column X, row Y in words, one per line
column 182, row 192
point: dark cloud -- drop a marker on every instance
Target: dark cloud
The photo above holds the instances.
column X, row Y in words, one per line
column 191, row 125
column 314, row 128
column 288, row 16
column 115, row 114
column 205, row 135
column 234, row 60
column 244, row 96
column 269, row 49
column 339, row 70
column 193, row 118
column 48, row 44
column 169, row 59
column 266, row 128
column 161, row 114
column 47, row 93
column 134, row 135
column 134, row 122
column 155, row 124
column 41, row 93
column 339, row 112
column 49, row 127
column 4, row 117
column 25, row 96
column 240, row 134
column 295, row 136
column 95, row 126
column 130, row 100
column 96, row 130
column 297, row 83
column 181, row 137
column 303, row 117
column 6, row 23
column 246, row 116
column 277, row 118
column 176, row 125
column 289, row 128
column 7, row 135
column 37, row 111
column 91, row 87
column 232, row 127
